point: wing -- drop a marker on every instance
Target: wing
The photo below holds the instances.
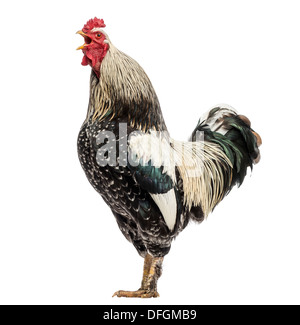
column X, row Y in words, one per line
column 152, row 167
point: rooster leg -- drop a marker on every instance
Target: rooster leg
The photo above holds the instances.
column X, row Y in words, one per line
column 152, row 271
column 147, row 266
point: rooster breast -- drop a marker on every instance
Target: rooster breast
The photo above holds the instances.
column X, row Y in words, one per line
column 137, row 212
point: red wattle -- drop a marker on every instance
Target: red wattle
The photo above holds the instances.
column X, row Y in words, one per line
column 84, row 60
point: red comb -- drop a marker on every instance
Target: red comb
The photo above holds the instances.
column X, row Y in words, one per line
column 92, row 23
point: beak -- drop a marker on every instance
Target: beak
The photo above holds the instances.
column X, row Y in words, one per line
column 80, row 32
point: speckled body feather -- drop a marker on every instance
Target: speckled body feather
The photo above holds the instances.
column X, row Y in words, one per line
column 137, row 215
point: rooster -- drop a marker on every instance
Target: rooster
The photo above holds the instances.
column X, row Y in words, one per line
column 153, row 184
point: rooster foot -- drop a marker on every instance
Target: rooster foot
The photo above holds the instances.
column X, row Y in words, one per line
column 148, row 289
column 136, row 294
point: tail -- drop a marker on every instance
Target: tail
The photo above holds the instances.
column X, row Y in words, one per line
column 233, row 133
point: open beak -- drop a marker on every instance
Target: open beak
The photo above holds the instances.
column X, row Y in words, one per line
column 80, row 32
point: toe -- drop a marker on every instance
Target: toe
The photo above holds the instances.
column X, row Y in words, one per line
column 136, row 294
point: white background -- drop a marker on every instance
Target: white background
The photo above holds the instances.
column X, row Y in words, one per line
column 59, row 243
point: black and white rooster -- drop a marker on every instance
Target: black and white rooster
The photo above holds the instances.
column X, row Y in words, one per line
column 153, row 184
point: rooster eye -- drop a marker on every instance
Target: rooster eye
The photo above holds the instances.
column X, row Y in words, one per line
column 98, row 35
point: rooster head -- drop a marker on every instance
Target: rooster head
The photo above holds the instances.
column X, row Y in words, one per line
column 96, row 44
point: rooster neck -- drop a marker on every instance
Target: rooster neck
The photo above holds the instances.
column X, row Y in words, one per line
column 124, row 90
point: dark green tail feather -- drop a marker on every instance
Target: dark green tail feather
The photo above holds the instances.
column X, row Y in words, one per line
column 239, row 145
